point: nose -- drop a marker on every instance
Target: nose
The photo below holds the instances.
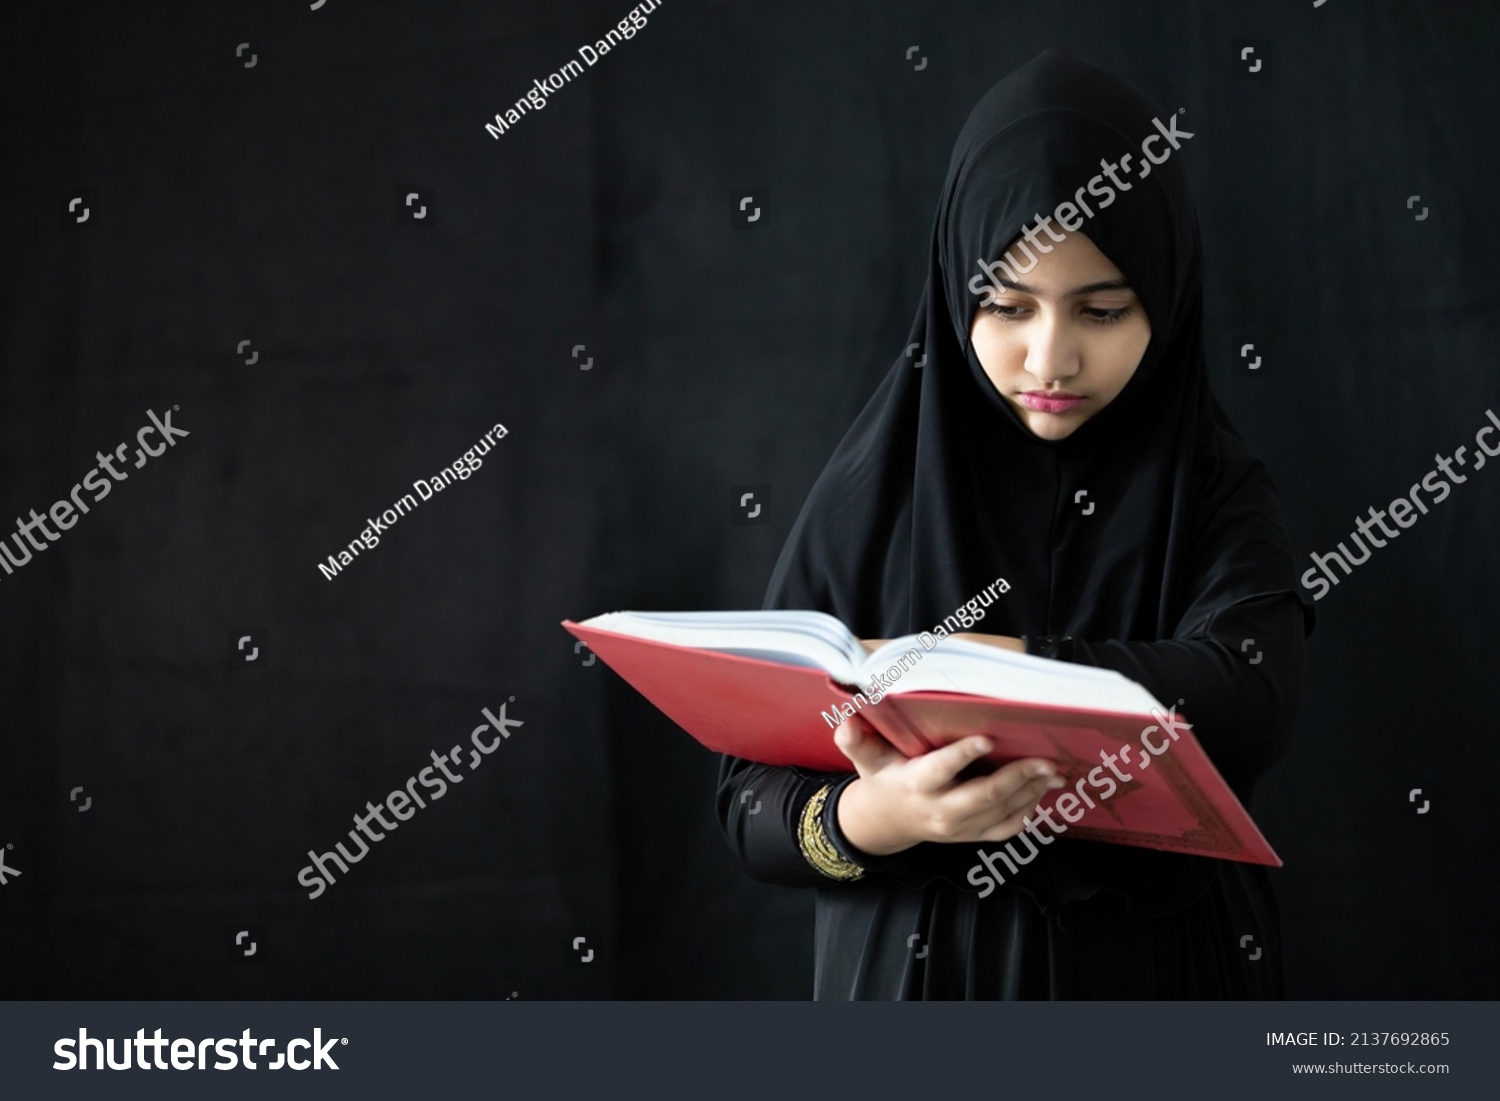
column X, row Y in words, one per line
column 1053, row 352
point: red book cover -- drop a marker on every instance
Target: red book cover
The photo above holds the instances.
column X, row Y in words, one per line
column 773, row 713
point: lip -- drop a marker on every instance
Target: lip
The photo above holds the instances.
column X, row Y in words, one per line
column 1051, row 401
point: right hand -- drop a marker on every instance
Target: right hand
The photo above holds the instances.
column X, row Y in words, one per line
column 898, row 802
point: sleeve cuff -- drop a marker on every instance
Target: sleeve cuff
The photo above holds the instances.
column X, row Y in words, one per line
column 1058, row 647
column 895, row 864
column 815, row 841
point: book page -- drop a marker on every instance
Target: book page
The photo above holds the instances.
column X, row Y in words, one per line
column 809, row 639
column 957, row 665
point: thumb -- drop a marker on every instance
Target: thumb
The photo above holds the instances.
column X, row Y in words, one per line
column 864, row 747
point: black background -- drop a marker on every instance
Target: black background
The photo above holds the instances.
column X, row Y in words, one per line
column 266, row 204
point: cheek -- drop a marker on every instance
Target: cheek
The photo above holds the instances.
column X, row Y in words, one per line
column 993, row 349
column 1120, row 355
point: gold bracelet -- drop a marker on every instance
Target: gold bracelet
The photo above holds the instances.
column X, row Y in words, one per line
column 816, row 848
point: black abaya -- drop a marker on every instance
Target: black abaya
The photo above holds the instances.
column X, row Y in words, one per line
column 1178, row 572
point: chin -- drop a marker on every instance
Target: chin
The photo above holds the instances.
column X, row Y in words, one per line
column 1048, row 426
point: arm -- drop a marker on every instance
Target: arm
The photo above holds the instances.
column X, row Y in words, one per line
column 1243, row 711
column 807, row 829
column 760, row 810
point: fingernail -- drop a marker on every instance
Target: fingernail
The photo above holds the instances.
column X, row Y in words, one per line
column 983, row 745
column 1057, row 782
column 1042, row 770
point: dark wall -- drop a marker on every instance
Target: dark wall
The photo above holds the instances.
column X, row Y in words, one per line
column 267, row 204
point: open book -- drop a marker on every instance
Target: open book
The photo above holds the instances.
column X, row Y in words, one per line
column 772, row 686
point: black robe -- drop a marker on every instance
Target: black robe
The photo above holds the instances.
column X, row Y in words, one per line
column 1149, row 541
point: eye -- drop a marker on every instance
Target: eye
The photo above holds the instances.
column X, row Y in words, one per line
column 1106, row 316
column 1006, row 310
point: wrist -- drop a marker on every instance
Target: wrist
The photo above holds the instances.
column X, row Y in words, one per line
column 864, row 827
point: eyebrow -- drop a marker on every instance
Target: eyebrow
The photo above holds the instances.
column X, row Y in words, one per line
column 1077, row 292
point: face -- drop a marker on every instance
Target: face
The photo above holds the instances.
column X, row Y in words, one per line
column 1061, row 342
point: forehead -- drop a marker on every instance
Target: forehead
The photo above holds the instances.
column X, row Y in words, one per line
column 1073, row 262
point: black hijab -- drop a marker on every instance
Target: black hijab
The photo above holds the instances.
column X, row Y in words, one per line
column 938, row 488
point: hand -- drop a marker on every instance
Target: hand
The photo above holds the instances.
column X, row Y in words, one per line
column 1004, row 642
column 873, row 644
column 898, row 802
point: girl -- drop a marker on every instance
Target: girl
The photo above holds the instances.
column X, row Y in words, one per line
column 1060, row 434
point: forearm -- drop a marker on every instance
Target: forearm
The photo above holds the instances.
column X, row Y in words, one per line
column 1240, row 683
column 761, row 811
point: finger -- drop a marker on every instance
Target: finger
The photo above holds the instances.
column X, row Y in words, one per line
column 1012, row 777
column 864, row 747
column 935, row 771
column 1007, row 827
column 1026, row 798
column 1015, row 812
column 1022, row 783
column 1018, row 785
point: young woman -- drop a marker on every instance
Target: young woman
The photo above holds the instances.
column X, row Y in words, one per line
column 1059, row 434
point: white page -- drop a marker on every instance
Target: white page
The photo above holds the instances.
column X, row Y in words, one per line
column 959, row 665
column 819, row 641
column 812, row 640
